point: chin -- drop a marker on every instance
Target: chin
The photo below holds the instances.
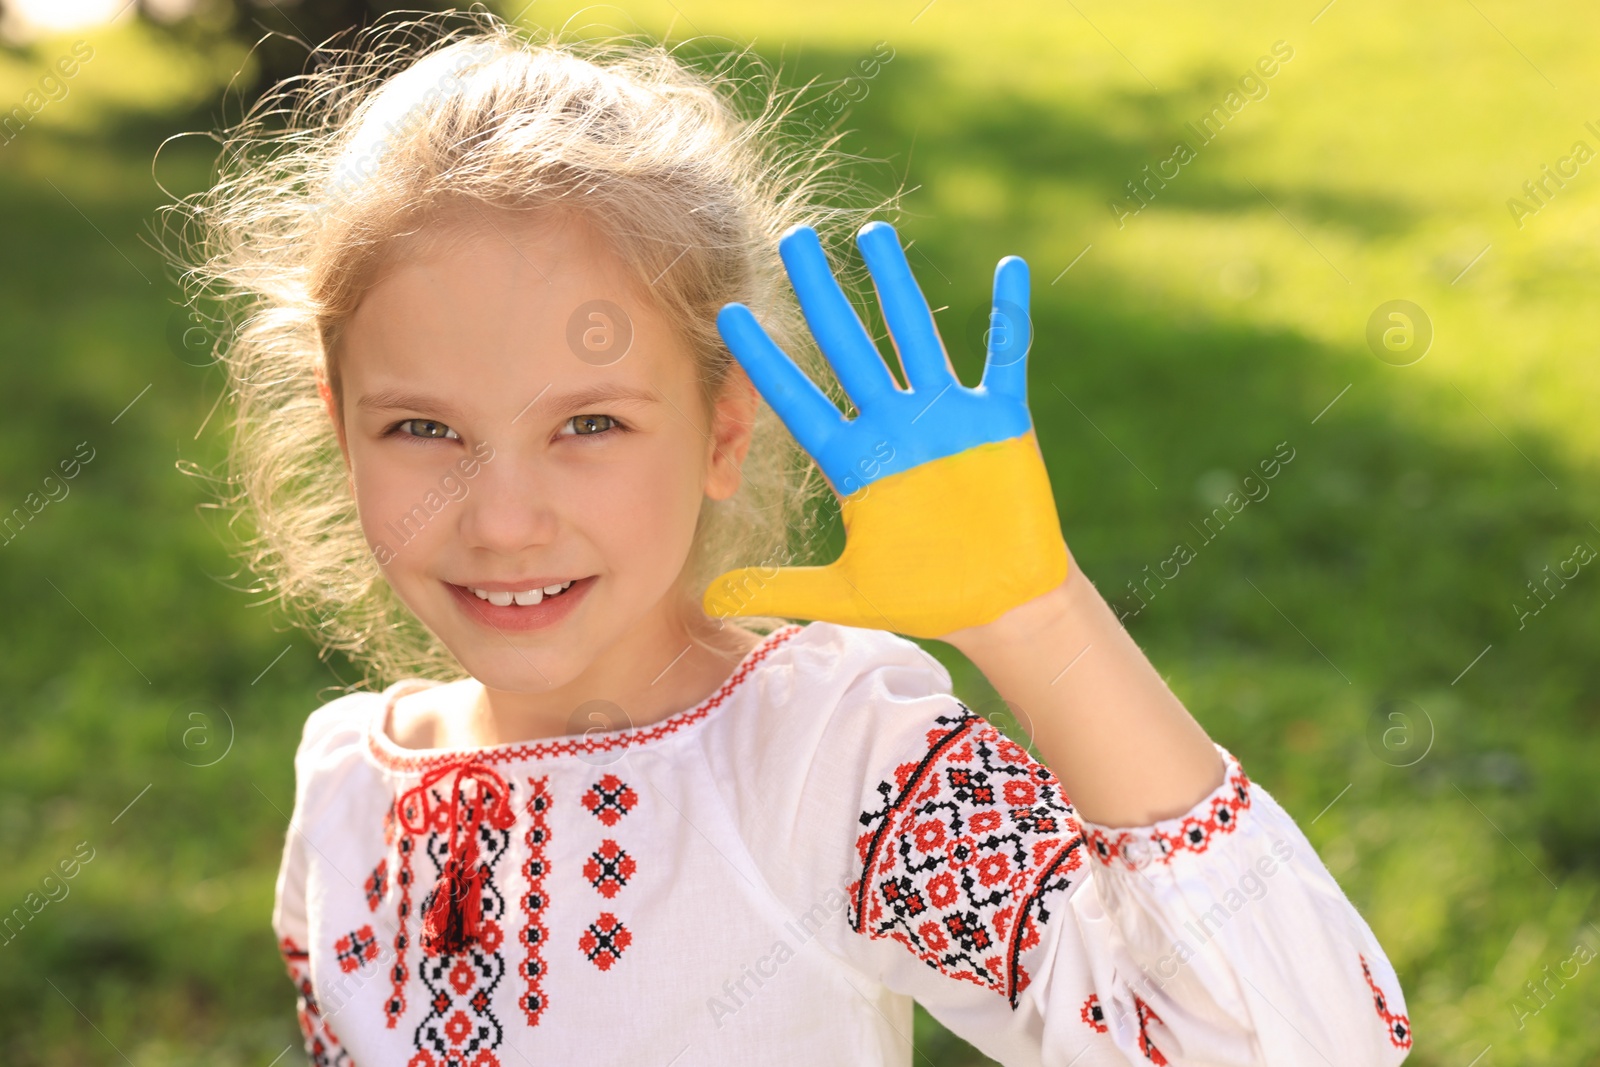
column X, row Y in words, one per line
column 510, row 669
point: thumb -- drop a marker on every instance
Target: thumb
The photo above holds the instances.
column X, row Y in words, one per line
column 790, row 593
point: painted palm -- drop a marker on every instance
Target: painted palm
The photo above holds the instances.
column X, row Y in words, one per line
column 948, row 513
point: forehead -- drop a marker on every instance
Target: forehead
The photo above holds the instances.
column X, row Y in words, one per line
column 490, row 301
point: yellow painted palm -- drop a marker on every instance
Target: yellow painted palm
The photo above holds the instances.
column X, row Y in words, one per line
column 948, row 513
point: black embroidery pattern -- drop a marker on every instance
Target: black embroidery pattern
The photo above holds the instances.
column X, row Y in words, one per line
column 1398, row 1025
column 355, row 948
column 961, row 863
column 460, row 1026
column 608, row 869
column 1094, row 1017
column 1218, row 815
column 321, row 1044
column 535, row 900
column 377, row 884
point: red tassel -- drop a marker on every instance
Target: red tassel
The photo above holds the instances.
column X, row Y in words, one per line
column 454, row 919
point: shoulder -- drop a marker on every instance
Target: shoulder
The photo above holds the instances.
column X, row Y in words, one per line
column 338, row 728
column 830, row 714
column 842, row 658
column 828, row 686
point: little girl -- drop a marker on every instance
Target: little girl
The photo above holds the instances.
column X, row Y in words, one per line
column 510, row 430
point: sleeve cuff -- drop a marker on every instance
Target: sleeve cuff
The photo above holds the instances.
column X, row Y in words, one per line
column 1217, row 814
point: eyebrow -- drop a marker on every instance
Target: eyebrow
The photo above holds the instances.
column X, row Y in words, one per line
column 396, row 399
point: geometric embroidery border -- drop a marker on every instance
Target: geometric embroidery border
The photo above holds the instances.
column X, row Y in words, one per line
column 1135, row 849
column 973, row 787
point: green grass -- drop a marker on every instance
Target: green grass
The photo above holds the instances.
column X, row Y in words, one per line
column 1171, row 358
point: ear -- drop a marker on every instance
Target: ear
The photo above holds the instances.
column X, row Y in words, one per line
column 733, row 421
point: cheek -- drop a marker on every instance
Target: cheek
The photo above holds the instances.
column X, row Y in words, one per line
column 644, row 509
column 396, row 502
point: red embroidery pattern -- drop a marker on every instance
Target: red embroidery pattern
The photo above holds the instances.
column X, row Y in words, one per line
column 395, row 1007
column 608, row 868
column 377, row 884
column 1143, row 847
column 460, row 1028
column 451, row 916
column 602, row 943
column 534, row 931
column 356, row 948
column 1094, row 1017
column 322, row 1045
column 391, row 756
column 1399, row 1025
column 610, row 799
column 959, row 864
column 1146, row 1046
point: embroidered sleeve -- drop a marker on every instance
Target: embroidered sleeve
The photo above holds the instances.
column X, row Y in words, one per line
column 322, row 1046
column 952, row 868
column 1214, row 937
column 1224, row 921
column 290, row 921
column 970, row 849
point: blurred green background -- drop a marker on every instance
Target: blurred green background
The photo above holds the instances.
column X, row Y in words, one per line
column 1364, row 637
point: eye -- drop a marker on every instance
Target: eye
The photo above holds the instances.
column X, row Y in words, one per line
column 430, row 430
column 594, row 426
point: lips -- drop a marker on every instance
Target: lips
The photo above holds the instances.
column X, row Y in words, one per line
column 523, row 595
column 538, row 613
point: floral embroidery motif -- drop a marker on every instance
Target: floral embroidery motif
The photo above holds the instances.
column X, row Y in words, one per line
column 1094, row 1017
column 356, row 948
column 321, row 1044
column 1399, row 1025
column 610, row 799
column 534, row 901
column 960, row 863
column 377, row 884
column 604, row 941
column 1134, row 849
column 609, row 868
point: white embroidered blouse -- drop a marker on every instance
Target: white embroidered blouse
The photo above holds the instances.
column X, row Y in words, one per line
column 774, row 875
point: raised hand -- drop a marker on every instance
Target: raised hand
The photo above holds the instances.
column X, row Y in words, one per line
column 948, row 514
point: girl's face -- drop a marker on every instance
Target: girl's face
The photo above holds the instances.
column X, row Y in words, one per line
column 495, row 442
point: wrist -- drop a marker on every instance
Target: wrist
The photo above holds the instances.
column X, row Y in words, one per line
column 1055, row 610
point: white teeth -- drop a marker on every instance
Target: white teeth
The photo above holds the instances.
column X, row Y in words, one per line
column 523, row 598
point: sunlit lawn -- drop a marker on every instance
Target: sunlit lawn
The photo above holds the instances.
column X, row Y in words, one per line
column 1226, row 320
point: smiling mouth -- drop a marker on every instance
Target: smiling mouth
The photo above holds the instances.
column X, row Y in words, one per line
column 520, row 597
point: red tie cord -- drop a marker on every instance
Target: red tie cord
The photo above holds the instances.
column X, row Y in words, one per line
column 453, row 919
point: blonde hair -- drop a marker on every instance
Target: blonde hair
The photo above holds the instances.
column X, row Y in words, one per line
column 323, row 180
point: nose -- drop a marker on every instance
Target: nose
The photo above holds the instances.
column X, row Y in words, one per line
column 511, row 505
